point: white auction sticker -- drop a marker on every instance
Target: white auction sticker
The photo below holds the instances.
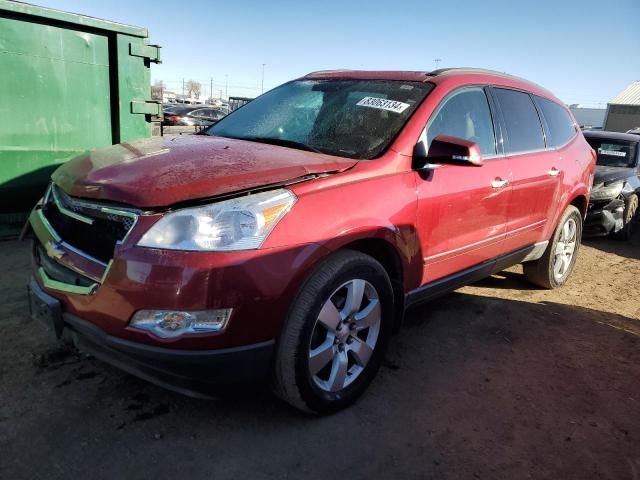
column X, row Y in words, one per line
column 383, row 104
column 613, row 153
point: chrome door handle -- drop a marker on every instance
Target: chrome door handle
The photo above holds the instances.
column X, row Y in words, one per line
column 554, row 172
column 499, row 183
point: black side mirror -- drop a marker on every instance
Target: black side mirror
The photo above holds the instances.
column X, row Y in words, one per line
column 449, row 150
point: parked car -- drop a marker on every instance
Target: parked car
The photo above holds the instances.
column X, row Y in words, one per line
column 634, row 131
column 203, row 117
column 616, row 185
column 198, row 115
column 172, row 114
column 286, row 242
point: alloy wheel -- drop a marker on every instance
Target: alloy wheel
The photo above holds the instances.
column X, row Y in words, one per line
column 344, row 335
column 565, row 249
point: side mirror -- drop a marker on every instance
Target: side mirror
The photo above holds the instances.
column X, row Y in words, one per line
column 449, row 150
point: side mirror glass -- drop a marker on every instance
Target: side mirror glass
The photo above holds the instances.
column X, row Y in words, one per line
column 448, row 150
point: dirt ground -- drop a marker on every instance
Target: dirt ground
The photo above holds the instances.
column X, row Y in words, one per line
column 497, row 380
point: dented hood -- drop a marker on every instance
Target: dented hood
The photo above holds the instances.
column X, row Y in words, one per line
column 163, row 171
column 606, row 174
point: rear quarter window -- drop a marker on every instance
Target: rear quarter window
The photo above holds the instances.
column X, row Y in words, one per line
column 560, row 124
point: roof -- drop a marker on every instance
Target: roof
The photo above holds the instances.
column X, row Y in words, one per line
column 57, row 16
column 436, row 76
column 629, row 96
column 612, row 135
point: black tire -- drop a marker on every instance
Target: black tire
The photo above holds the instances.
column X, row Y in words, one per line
column 630, row 209
column 540, row 272
column 292, row 379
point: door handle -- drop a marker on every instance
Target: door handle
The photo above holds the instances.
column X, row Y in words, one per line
column 499, row 183
column 554, row 172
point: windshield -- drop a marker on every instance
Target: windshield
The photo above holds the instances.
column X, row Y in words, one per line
column 614, row 153
column 348, row 118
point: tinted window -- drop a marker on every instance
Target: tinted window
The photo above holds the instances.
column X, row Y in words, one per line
column 349, row 118
column 613, row 153
column 465, row 115
column 524, row 131
column 561, row 127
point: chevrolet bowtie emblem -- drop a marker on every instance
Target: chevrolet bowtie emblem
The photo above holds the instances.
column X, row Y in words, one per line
column 53, row 249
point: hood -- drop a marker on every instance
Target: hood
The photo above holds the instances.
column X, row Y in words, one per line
column 606, row 174
column 162, row 171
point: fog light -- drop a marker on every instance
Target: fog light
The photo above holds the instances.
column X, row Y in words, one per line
column 171, row 324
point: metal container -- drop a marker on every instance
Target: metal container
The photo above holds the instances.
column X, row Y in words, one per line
column 68, row 83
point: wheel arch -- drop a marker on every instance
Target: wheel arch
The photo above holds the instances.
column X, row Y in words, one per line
column 389, row 257
column 581, row 203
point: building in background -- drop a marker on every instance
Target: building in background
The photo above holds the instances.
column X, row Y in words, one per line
column 168, row 96
column 592, row 118
column 623, row 111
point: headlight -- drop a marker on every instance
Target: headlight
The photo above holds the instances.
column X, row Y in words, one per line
column 238, row 224
column 606, row 192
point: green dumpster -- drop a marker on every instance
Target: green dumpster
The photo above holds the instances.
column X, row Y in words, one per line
column 68, row 83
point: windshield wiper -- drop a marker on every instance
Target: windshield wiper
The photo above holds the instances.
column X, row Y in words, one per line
column 283, row 143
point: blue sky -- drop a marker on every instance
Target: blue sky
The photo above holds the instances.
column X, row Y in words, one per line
column 583, row 51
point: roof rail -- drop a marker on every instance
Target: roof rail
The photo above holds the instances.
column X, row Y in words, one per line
column 441, row 71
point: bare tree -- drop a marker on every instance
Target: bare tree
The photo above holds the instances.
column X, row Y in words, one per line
column 157, row 89
column 193, row 89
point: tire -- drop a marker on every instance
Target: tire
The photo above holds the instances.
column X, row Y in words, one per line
column 318, row 304
column 541, row 272
column 630, row 209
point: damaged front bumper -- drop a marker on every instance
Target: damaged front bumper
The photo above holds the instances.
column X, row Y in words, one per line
column 195, row 373
column 604, row 217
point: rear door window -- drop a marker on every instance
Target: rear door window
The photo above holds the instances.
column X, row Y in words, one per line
column 561, row 126
column 465, row 115
column 524, row 130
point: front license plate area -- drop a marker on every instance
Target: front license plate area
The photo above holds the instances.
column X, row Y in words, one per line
column 45, row 309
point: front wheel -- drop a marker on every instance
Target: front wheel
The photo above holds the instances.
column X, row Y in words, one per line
column 552, row 270
column 335, row 335
column 630, row 209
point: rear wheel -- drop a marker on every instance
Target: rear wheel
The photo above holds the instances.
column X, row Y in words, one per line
column 552, row 270
column 630, row 209
column 335, row 335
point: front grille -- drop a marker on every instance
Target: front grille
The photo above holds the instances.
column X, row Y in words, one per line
column 59, row 272
column 98, row 239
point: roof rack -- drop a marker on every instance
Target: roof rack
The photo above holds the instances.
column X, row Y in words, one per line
column 441, row 71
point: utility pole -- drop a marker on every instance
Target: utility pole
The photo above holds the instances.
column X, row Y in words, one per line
column 226, row 86
column 263, row 65
column 211, row 88
column 437, row 62
column 183, row 89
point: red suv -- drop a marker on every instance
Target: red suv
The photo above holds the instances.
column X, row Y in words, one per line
column 285, row 243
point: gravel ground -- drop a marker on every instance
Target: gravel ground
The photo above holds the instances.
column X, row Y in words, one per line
column 498, row 380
